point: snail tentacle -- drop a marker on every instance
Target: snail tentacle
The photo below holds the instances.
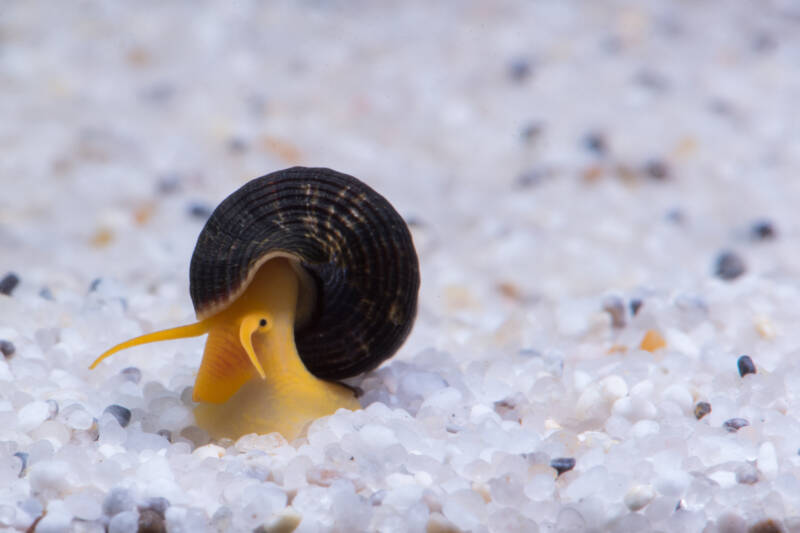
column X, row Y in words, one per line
column 180, row 332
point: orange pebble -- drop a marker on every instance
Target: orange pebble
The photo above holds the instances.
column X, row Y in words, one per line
column 617, row 348
column 102, row 238
column 652, row 341
column 143, row 213
column 283, row 149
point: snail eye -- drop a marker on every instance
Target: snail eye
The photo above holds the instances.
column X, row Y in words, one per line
column 262, row 323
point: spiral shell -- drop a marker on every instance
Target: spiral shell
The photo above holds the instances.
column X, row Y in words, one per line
column 357, row 263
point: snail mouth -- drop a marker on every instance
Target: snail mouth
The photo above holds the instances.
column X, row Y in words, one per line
column 226, row 365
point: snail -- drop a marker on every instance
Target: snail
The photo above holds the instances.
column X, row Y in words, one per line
column 300, row 278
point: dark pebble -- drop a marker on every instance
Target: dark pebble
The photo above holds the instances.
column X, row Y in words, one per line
column 563, row 464
column 158, row 504
column 168, row 184
column 729, row 266
column 414, row 221
column 7, row 348
column 237, row 145
column 199, row 210
column 167, row 434
column 676, row 215
column 652, row 80
column 159, row 93
column 132, row 373
column 23, row 457
column 765, row 526
column 701, row 409
column 615, row 307
column 46, row 294
column 636, row 304
column 596, row 142
column 735, row 424
column 746, row 365
column 763, row 230
column 93, row 286
column 520, row 69
column 764, row 42
column 256, row 104
column 531, row 178
column 9, row 283
column 721, row 107
column 122, row 414
column 531, row 131
column 151, row 522
column 657, row 169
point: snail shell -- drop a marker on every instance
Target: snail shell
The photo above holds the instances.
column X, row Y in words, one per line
column 358, row 267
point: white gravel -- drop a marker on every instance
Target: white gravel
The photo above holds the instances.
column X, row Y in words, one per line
column 573, row 170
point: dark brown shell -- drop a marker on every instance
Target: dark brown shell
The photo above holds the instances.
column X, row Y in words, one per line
column 355, row 246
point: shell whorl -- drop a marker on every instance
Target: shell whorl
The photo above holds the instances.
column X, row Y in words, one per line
column 354, row 245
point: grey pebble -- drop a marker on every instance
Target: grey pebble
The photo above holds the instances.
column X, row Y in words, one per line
column 117, row 501
column 596, row 142
column 747, row 474
column 657, row 169
column 199, row 210
column 237, row 145
column 122, row 414
column 47, row 294
column 197, row 436
column 531, row 131
column 764, row 42
column 615, row 307
column 168, row 184
column 132, row 373
column 520, row 69
column 563, row 464
column 9, row 283
column 23, row 457
column 729, row 266
column 222, row 519
column 635, row 305
column 7, row 348
column 675, row 215
column 532, row 177
column 735, row 424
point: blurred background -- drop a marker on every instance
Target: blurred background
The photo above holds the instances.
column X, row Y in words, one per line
column 540, row 149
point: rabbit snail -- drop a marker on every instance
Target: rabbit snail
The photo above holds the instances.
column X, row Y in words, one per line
column 300, row 278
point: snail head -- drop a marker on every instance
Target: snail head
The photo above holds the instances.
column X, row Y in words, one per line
column 254, row 336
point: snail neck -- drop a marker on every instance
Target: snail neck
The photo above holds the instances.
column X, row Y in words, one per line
column 252, row 379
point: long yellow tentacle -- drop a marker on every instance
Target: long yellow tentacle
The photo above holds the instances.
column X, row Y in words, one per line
column 180, row 332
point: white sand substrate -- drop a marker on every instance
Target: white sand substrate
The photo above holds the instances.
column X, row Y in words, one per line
column 562, row 164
